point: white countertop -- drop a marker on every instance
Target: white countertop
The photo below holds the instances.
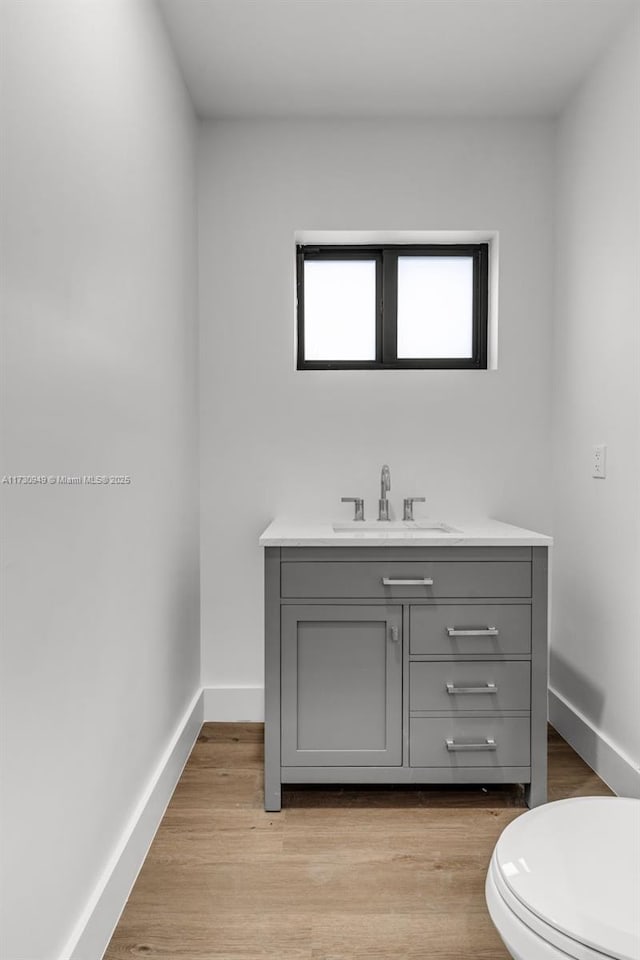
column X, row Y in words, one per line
column 478, row 532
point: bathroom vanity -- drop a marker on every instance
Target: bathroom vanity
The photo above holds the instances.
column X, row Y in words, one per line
column 405, row 655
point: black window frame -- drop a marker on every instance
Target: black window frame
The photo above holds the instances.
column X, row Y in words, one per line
column 386, row 259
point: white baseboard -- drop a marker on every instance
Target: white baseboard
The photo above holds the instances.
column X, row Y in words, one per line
column 234, row 704
column 614, row 767
column 98, row 920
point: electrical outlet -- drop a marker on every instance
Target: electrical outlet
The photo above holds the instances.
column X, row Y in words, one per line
column 599, row 462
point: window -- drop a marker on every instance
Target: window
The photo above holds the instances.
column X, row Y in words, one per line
column 392, row 306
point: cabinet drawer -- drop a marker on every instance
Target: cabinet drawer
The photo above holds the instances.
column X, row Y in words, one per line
column 456, row 629
column 371, row 579
column 480, row 685
column 469, row 742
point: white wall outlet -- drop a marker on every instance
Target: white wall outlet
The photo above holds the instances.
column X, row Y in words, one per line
column 599, row 462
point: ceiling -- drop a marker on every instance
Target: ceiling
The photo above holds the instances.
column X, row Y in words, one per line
column 388, row 58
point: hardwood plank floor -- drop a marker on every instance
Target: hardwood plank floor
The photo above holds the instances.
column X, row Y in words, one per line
column 339, row 874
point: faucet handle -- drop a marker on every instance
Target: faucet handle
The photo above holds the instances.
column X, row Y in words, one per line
column 358, row 503
column 407, row 513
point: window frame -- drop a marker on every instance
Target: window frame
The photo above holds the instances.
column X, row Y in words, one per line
column 386, row 259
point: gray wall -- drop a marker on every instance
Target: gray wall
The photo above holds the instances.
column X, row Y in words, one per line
column 100, row 607
column 275, row 441
column 595, row 658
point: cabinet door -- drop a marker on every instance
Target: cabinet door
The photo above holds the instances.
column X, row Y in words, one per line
column 341, row 685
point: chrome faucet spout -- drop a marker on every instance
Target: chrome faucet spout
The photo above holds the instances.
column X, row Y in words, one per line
column 385, row 486
column 385, row 481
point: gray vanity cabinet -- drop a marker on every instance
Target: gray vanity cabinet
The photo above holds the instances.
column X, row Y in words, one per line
column 341, row 685
column 405, row 665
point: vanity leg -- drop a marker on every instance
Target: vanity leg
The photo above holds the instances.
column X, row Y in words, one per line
column 272, row 795
column 272, row 784
column 535, row 793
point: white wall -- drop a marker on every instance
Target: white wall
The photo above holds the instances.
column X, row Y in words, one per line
column 100, row 605
column 276, row 441
column 595, row 658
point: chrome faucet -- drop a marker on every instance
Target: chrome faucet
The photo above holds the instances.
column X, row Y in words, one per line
column 385, row 486
column 358, row 503
column 408, row 507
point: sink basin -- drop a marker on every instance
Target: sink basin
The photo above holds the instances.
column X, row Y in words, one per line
column 393, row 526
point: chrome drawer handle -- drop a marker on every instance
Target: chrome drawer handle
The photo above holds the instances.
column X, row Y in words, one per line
column 480, row 632
column 423, row 582
column 487, row 688
column 488, row 744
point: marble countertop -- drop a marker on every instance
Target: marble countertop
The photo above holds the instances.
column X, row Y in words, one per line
column 477, row 532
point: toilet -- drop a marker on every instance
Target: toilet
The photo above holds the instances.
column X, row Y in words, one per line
column 564, row 881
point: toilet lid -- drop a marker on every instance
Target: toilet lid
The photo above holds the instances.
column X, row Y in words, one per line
column 575, row 864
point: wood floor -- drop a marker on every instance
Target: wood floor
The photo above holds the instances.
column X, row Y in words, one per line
column 340, row 874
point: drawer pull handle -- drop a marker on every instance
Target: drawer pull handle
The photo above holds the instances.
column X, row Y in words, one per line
column 486, row 688
column 394, row 634
column 479, row 632
column 422, row 582
column 488, row 744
